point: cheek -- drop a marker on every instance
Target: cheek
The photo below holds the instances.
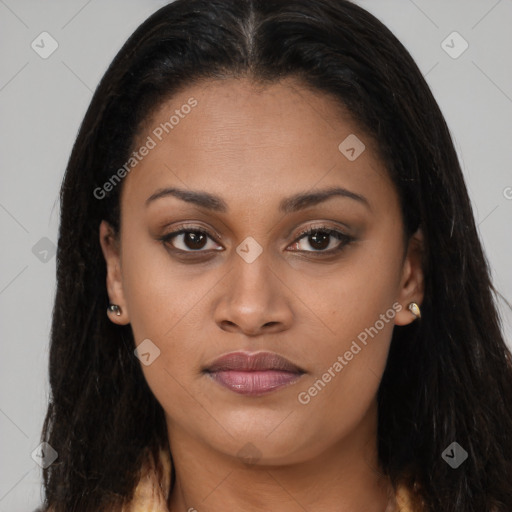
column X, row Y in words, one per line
column 166, row 306
column 346, row 373
column 356, row 308
column 159, row 293
column 352, row 296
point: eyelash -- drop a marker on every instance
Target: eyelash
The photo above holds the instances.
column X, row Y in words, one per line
column 343, row 238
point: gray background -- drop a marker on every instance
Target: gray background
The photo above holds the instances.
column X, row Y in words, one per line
column 43, row 102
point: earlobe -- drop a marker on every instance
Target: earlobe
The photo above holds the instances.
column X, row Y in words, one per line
column 412, row 283
column 117, row 310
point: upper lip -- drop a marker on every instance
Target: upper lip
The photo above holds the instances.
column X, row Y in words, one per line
column 244, row 361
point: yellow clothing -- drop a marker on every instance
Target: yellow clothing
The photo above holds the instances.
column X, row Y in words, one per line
column 150, row 496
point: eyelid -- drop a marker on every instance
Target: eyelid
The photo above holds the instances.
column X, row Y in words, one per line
column 189, row 228
column 343, row 238
column 320, row 226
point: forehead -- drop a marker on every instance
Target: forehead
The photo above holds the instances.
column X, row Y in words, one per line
column 235, row 135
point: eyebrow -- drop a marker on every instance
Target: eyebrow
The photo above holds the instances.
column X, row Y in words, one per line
column 291, row 204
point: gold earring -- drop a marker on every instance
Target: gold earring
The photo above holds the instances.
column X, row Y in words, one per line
column 114, row 308
column 414, row 309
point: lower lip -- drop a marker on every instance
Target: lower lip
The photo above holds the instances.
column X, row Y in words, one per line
column 254, row 382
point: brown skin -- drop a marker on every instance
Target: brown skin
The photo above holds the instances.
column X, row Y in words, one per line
column 253, row 147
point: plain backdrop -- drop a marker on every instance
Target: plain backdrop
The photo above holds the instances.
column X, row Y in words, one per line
column 43, row 101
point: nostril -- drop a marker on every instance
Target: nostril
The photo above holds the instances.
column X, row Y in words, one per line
column 227, row 324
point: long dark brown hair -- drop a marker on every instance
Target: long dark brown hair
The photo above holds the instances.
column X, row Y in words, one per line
column 448, row 377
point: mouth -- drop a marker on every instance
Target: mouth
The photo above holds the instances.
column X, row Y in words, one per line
column 253, row 374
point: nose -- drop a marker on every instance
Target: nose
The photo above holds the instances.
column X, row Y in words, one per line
column 253, row 300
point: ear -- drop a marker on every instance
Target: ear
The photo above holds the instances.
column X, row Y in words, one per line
column 111, row 251
column 412, row 282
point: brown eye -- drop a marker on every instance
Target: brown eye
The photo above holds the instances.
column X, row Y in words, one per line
column 194, row 240
column 322, row 240
column 319, row 240
column 190, row 240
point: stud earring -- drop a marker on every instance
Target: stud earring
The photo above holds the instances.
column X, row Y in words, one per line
column 114, row 308
column 414, row 309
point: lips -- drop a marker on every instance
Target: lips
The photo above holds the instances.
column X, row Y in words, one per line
column 244, row 361
column 253, row 374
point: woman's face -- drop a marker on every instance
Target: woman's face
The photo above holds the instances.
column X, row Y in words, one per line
column 253, row 169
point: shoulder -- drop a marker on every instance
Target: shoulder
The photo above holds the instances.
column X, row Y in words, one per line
column 407, row 500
